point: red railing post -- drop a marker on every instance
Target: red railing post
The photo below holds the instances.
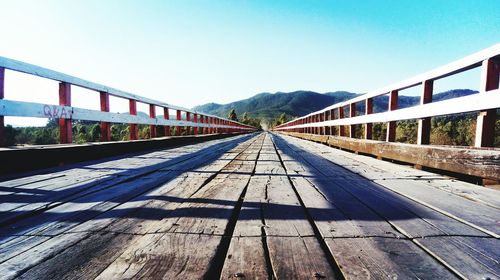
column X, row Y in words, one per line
column 195, row 119
column 188, row 128
column 327, row 118
column 105, row 127
column 166, row 116
column 178, row 128
column 204, row 119
column 310, row 128
column 133, row 133
column 332, row 117
column 368, row 111
column 341, row 116
column 3, row 143
column 320, row 119
column 352, row 114
column 316, row 117
column 152, row 127
column 424, row 125
column 391, row 126
column 485, row 124
column 65, row 125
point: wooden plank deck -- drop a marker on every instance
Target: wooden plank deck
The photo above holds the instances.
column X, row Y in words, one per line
column 257, row 206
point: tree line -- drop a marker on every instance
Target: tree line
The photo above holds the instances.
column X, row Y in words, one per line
column 456, row 130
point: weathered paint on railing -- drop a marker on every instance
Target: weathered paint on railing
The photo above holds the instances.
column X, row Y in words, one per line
column 486, row 103
column 66, row 112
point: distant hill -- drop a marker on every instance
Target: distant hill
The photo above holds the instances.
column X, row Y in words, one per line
column 270, row 105
column 299, row 103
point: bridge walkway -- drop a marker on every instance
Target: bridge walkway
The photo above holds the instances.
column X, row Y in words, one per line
column 253, row 206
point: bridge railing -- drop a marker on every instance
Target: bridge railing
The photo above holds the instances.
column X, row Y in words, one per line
column 66, row 112
column 486, row 102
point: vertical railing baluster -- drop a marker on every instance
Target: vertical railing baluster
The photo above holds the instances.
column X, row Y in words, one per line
column 424, row 124
column 178, row 128
column 195, row 128
column 341, row 116
column 485, row 124
column 332, row 117
column 368, row 111
column 188, row 128
column 205, row 121
column 65, row 124
column 152, row 127
column 105, row 127
column 166, row 115
column 352, row 114
column 391, row 126
column 133, row 133
column 327, row 118
column 3, row 141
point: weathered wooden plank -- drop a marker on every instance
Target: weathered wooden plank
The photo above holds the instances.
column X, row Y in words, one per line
column 105, row 233
column 480, row 216
column 477, row 215
column 374, row 169
column 245, row 259
column 299, row 258
column 247, row 251
column 63, row 189
column 475, row 162
column 201, row 219
column 415, row 220
column 105, row 214
column 274, row 224
column 167, row 256
column 465, row 262
column 360, row 241
column 384, row 258
column 83, row 260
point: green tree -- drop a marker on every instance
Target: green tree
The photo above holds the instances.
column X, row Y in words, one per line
column 95, row 133
column 245, row 119
column 144, row 132
column 10, row 135
column 232, row 115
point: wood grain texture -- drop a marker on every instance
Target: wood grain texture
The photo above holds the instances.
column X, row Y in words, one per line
column 261, row 207
column 484, row 163
column 415, row 220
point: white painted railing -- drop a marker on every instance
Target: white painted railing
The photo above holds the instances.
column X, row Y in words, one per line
column 486, row 102
column 65, row 112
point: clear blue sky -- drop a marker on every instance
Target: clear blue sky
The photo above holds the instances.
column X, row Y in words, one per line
column 193, row 52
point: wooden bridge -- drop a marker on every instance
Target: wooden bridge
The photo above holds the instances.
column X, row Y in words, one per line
column 225, row 201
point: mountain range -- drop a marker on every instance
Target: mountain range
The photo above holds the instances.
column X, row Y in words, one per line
column 299, row 103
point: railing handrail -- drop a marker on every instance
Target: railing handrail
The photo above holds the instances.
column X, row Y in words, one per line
column 27, row 68
column 488, row 59
column 65, row 111
column 449, row 69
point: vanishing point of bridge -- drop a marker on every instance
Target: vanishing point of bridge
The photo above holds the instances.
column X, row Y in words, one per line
column 225, row 201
